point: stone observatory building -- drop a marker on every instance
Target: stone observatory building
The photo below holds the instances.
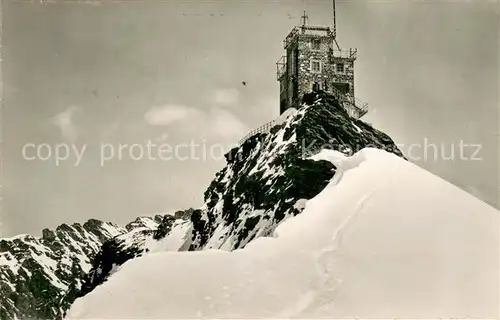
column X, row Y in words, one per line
column 314, row 61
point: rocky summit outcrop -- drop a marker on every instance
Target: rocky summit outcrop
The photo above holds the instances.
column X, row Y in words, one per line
column 269, row 176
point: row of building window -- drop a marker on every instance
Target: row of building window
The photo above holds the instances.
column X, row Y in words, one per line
column 316, row 66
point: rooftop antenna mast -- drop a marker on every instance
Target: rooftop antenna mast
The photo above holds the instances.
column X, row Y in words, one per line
column 304, row 18
column 335, row 25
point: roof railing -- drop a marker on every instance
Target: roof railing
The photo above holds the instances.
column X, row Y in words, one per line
column 308, row 31
column 262, row 129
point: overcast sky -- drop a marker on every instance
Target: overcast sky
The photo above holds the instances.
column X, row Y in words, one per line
column 172, row 71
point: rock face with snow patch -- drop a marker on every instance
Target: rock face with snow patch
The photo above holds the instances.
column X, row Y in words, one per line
column 41, row 277
column 165, row 233
column 35, row 273
column 267, row 178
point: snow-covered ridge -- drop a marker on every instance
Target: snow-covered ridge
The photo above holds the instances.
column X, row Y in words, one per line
column 384, row 239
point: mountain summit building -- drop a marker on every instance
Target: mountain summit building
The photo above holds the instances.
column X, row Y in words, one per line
column 313, row 63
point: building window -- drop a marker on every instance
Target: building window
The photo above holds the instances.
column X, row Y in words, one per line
column 343, row 87
column 340, row 68
column 315, row 87
column 316, row 44
column 315, row 66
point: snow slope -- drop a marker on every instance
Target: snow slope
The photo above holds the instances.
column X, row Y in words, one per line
column 384, row 238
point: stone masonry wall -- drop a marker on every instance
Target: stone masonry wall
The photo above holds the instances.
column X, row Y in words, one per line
column 328, row 73
column 299, row 76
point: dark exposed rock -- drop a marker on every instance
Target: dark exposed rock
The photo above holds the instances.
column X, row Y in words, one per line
column 112, row 254
column 164, row 227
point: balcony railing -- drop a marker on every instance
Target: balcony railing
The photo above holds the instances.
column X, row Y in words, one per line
column 353, row 106
column 361, row 106
column 346, row 54
column 280, row 67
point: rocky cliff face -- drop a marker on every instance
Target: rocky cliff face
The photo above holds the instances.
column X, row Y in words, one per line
column 35, row 273
column 40, row 277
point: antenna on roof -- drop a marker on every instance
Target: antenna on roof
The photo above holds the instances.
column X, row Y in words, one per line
column 334, row 21
column 335, row 25
column 304, row 18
